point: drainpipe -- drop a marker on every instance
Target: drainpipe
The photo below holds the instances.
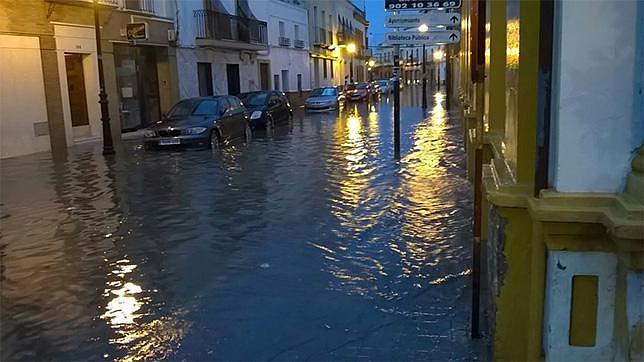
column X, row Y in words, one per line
column 544, row 96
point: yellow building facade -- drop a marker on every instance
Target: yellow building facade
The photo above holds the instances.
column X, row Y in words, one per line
column 552, row 99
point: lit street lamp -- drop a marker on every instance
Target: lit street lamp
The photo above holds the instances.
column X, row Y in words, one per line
column 108, row 147
column 351, row 48
column 371, row 64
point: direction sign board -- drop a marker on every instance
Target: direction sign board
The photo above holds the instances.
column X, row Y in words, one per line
column 395, row 5
column 414, row 20
column 418, row 38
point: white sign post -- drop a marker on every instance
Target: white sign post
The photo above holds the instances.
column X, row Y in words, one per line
column 415, row 20
column 418, row 38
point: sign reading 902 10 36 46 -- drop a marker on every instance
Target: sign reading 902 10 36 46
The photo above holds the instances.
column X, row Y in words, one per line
column 396, row 5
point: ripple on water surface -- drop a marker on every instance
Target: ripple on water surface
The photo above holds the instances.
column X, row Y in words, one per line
column 311, row 241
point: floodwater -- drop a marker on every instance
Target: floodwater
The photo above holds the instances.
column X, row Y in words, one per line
column 311, row 242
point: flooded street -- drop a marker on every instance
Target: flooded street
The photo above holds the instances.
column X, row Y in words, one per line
column 308, row 243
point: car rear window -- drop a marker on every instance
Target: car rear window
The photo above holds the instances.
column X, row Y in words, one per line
column 255, row 99
column 323, row 92
column 362, row 86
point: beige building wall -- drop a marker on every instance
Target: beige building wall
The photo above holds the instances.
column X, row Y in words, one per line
column 23, row 114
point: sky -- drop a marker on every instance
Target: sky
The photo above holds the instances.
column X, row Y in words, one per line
column 376, row 16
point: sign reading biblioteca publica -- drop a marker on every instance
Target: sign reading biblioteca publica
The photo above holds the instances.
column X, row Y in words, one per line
column 418, row 38
column 395, row 5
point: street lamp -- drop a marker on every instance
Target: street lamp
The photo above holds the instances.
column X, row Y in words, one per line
column 371, row 64
column 108, row 147
column 351, row 48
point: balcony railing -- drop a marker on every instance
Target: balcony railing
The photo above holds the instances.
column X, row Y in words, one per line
column 298, row 43
column 285, row 42
column 218, row 26
column 322, row 36
column 144, row 6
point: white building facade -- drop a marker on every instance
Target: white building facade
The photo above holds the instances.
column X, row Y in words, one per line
column 339, row 46
column 218, row 44
column 288, row 44
column 236, row 46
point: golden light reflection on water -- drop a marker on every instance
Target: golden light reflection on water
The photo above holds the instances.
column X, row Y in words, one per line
column 137, row 336
column 425, row 167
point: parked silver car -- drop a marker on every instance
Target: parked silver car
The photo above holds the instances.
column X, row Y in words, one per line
column 324, row 99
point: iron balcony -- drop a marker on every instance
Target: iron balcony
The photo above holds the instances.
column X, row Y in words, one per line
column 219, row 30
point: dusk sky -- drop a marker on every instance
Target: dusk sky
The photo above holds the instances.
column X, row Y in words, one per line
column 376, row 16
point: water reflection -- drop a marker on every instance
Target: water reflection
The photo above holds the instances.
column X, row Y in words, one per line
column 309, row 242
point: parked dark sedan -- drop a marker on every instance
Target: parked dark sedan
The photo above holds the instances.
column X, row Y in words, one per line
column 266, row 107
column 357, row 91
column 203, row 121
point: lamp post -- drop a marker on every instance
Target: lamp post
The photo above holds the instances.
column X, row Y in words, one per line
column 108, row 147
column 351, row 48
column 423, row 28
column 371, row 64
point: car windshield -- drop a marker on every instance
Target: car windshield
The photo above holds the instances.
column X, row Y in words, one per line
column 351, row 86
column 362, row 85
column 183, row 108
column 254, row 99
column 323, row 92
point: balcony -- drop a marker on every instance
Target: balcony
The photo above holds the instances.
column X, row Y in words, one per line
column 219, row 30
column 298, row 44
column 285, row 42
column 144, row 6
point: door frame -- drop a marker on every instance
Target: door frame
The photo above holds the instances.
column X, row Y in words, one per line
column 79, row 39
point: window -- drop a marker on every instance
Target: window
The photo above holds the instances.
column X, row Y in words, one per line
column 296, row 32
column 276, row 81
column 323, row 22
column 331, row 68
column 206, row 108
column 299, row 83
column 223, row 105
column 324, row 71
column 235, row 103
column 285, row 85
column 315, row 23
column 274, row 100
column 204, row 75
column 282, row 30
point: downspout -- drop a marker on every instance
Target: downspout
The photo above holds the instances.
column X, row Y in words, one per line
column 544, row 94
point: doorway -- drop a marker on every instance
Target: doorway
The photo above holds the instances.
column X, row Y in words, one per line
column 232, row 74
column 137, row 79
column 264, row 76
column 77, row 94
column 204, row 76
column 316, row 73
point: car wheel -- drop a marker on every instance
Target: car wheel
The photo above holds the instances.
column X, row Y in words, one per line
column 215, row 141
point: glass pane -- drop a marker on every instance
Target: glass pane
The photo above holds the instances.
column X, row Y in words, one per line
column 206, row 108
